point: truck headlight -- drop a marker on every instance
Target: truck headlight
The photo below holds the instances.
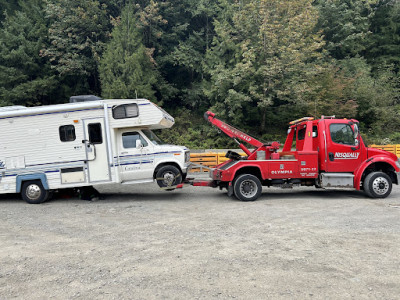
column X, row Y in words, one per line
column 398, row 163
column 187, row 156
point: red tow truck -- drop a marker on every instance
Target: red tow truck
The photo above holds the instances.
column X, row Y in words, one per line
column 329, row 153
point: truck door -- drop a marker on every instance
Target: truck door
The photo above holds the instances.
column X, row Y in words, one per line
column 344, row 152
column 136, row 161
column 96, row 150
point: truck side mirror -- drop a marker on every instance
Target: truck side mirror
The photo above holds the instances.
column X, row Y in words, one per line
column 356, row 132
column 139, row 144
column 356, row 135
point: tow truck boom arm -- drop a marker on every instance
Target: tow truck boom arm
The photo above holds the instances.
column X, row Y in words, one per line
column 232, row 132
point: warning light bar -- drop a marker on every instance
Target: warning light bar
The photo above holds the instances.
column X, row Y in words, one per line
column 301, row 120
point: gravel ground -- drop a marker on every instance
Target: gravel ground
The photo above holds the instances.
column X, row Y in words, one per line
column 144, row 243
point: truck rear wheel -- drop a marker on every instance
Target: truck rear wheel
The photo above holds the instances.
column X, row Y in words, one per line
column 377, row 185
column 247, row 187
column 33, row 192
column 168, row 176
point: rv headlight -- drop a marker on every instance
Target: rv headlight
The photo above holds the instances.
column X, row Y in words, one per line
column 187, row 156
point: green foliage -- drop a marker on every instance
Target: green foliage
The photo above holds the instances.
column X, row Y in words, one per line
column 78, row 31
column 25, row 77
column 258, row 64
column 345, row 25
column 332, row 93
column 192, row 131
column 8, row 7
column 384, row 48
column 126, row 69
column 267, row 48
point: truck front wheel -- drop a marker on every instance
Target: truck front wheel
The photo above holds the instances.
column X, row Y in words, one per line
column 247, row 187
column 377, row 185
column 168, row 176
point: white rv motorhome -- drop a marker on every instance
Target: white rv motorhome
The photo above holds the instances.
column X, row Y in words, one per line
column 86, row 143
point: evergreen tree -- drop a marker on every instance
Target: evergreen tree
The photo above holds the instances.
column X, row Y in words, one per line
column 25, row 77
column 78, row 32
column 188, row 56
column 261, row 55
column 8, row 7
column 345, row 25
column 377, row 96
column 126, row 68
column 385, row 39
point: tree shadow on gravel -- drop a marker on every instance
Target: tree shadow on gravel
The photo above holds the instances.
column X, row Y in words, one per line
column 315, row 194
column 122, row 197
column 320, row 195
column 104, row 198
column 5, row 198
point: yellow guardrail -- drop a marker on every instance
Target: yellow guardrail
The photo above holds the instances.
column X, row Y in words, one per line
column 395, row 149
column 207, row 160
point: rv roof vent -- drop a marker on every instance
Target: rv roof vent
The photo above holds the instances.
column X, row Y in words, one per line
column 10, row 108
column 83, row 98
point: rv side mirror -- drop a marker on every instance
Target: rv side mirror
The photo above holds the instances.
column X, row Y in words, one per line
column 139, row 144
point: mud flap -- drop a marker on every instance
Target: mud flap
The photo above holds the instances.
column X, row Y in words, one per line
column 230, row 190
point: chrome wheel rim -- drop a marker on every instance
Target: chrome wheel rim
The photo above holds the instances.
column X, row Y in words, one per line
column 380, row 185
column 248, row 188
column 33, row 192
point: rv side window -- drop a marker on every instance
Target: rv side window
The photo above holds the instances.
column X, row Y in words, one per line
column 67, row 133
column 129, row 139
column 125, row 111
column 95, row 136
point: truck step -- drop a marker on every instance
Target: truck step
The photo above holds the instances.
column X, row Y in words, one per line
column 341, row 180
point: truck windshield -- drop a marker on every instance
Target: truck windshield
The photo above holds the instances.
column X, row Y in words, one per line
column 153, row 137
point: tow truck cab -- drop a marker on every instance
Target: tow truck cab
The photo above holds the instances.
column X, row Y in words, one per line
column 326, row 153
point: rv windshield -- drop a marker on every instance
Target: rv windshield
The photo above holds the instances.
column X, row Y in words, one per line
column 152, row 137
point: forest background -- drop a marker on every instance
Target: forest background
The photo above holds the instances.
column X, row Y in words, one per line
column 258, row 64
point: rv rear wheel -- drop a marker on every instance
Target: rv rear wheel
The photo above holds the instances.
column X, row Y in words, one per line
column 33, row 192
column 377, row 185
column 168, row 176
column 247, row 187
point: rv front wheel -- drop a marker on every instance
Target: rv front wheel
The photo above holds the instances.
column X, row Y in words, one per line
column 168, row 176
column 33, row 192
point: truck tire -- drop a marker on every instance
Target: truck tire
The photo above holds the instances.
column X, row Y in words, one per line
column 33, row 192
column 247, row 187
column 168, row 176
column 377, row 185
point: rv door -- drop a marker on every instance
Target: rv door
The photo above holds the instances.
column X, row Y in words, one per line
column 96, row 150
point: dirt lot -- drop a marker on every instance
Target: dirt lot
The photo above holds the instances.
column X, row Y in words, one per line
column 143, row 243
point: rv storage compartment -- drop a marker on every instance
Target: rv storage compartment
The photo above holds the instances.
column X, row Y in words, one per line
column 72, row 175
